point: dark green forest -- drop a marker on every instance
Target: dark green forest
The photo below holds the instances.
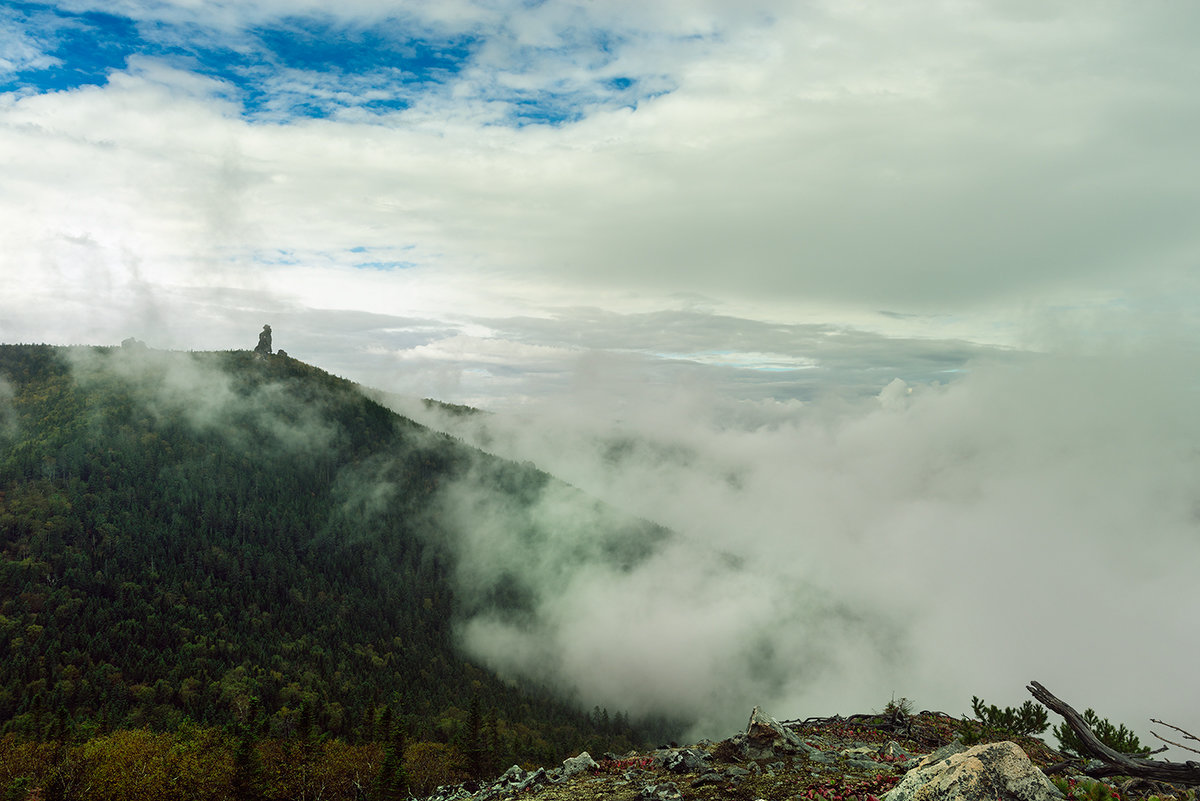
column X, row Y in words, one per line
column 244, row 548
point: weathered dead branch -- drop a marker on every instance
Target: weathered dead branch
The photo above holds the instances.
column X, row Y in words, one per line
column 1187, row 735
column 1114, row 762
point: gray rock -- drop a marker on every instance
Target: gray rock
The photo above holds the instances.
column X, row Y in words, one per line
column 983, row 773
column 765, row 733
column 823, row 757
column 685, row 760
column 539, row 776
column 894, row 752
column 578, row 764
column 954, row 747
column 513, row 775
column 664, row 791
column 711, row 777
column 860, row 751
column 264, row 341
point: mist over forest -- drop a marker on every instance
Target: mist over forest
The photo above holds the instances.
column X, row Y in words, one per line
column 935, row 541
column 243, row 542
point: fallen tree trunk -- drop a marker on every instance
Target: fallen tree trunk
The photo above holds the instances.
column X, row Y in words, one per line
column 1115, row 763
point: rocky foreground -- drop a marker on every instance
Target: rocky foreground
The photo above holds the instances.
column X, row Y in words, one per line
column 862, row 758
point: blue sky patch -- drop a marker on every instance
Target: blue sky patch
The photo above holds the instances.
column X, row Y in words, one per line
column 385, row 266
column 301, row 66
column 85, row 47
column 317, row 66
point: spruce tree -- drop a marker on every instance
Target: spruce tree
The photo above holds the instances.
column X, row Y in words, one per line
column 475, row 751
column 246, row 770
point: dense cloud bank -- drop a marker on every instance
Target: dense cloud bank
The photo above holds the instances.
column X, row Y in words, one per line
column 1031, row 520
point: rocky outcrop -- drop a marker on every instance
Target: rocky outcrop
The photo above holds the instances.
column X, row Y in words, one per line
column 829, row 759
column 989, row 772
column 264, row 341
column 765, row 733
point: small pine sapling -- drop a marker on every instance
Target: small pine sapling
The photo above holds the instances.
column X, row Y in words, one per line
column 898, row 707
column 992, row 721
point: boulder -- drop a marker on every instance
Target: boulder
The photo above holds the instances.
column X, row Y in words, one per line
column 685, row 760
column 578, row 764
column 765, row 734
column 988, row 772
column 955, row 746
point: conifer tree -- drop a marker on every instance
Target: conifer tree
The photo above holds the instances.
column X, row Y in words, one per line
column 244, row 784
column 491, row 743
column 392, row 782
column 475, row 751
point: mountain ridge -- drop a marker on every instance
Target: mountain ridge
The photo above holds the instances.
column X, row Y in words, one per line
column 257, row 544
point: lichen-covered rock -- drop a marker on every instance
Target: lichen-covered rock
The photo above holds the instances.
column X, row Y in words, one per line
column 984, row 773
column 954, row 747
column 578, row 764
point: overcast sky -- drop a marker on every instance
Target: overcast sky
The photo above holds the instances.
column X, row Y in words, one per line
column 694, row 217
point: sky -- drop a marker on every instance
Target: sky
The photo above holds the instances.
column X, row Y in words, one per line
column 896, row 301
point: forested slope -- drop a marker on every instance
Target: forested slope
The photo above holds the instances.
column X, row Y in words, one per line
column 228, row 539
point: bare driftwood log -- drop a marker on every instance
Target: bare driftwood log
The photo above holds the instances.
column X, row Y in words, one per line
column 1115, row 763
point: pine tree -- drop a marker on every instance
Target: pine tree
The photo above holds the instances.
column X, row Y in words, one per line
column 491, row 743
column 390, row 783
column 475, row 752
column 246, row 771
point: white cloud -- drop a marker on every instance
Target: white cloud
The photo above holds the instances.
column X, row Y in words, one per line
column 1012, row 526
column 844, row 159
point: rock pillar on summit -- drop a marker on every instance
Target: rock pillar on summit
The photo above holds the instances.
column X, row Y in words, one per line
column 264, row 341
